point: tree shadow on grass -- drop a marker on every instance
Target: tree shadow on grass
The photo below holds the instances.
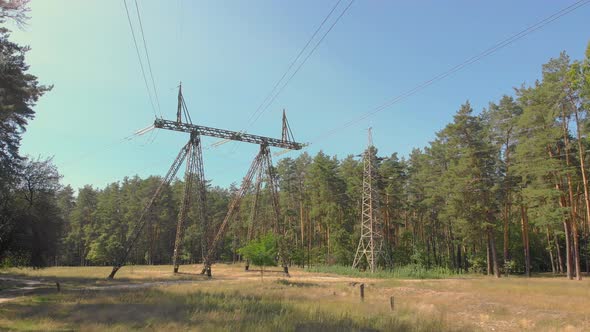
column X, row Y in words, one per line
column 193, row 274
column 154, row 307
column 94, row 281
column 13, row 285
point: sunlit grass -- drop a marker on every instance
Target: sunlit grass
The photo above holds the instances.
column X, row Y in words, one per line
column 77, row 277
column 142, row 272
column 402, row 272
column 329, row 300
column 207, row 308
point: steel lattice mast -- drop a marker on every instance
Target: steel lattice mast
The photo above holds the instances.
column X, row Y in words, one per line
column 141, row 222
column 262, row 164
column 195, row 175
column 371, row 241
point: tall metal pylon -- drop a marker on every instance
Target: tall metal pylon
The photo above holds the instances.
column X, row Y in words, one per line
column 195, row 175
column 371, row 241
column 260, row 168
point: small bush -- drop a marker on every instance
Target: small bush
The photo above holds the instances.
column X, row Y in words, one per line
column 477, row 264
column 509, row 266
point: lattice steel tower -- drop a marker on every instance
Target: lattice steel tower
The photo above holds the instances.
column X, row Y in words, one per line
column 195, row 179
column 371, row 241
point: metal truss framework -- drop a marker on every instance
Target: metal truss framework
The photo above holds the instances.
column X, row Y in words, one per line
column 195, row 175
column 142, row 221
column 262, row 169
column 227, row 134
column 371, row 241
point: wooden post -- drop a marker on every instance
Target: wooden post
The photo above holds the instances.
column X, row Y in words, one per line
column 57, row 286
column 362, row 289
column 391, row 303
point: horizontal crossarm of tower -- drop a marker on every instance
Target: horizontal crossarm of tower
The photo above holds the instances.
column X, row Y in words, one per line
column 227, row 134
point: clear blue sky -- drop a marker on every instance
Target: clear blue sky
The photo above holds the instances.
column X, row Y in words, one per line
column 228, row 54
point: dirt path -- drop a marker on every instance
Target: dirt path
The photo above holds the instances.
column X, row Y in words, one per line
column 24, row 287
column 19, row 287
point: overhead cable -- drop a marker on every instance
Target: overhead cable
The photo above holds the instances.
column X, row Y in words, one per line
column 147, row 55
column 493, row 49
column 274, row 88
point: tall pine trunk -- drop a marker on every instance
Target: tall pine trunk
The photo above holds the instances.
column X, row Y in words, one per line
column 559, row 255
column 550, row 249
column 582, row 156
column 525, row 240
column 507, row 203
column 568, row 247
column 566, row 228
column 492, row 256
column 574, row 255
column 302, row 225
column 489, row 255
column 576, row 250
column 506, row 220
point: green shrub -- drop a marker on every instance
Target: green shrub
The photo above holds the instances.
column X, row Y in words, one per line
column 411, row 271
column 477, row 264
column 261, row 252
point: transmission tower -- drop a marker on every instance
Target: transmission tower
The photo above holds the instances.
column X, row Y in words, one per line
column 371, row 241
column 194, row 176
column 261, row 168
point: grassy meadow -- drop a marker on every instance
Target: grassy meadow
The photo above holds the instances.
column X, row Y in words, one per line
column 152, row 298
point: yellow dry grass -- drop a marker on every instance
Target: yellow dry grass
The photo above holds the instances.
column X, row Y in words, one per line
column 153, row 298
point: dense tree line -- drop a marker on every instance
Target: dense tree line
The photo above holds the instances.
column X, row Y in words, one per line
column 29, row 217
column 503, row 190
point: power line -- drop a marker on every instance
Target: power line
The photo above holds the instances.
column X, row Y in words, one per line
column 532, row 28
column 109, row 146
column 538, row 25
column 147, row 55
column 180, row 29
column 260, row 110
column 272, row 91
column 272, row 95
column 139, row 58
column 304, row 60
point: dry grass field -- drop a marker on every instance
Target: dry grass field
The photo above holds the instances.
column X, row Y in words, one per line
column 152, row 298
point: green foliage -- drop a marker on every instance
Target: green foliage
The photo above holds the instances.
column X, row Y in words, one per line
column 509, row 266
column 477, row 264
column 412, row 271
column 442, row 209
column 19, row 91
column 37, row 218
column 261, row 252
column 15, row 258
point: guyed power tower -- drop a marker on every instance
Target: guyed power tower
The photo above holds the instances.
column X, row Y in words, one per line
column 194, row 178
column 371, row 242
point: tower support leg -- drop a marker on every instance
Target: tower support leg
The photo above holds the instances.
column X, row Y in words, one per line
column 194, row 175
column 141, row 222
column 234, row 207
